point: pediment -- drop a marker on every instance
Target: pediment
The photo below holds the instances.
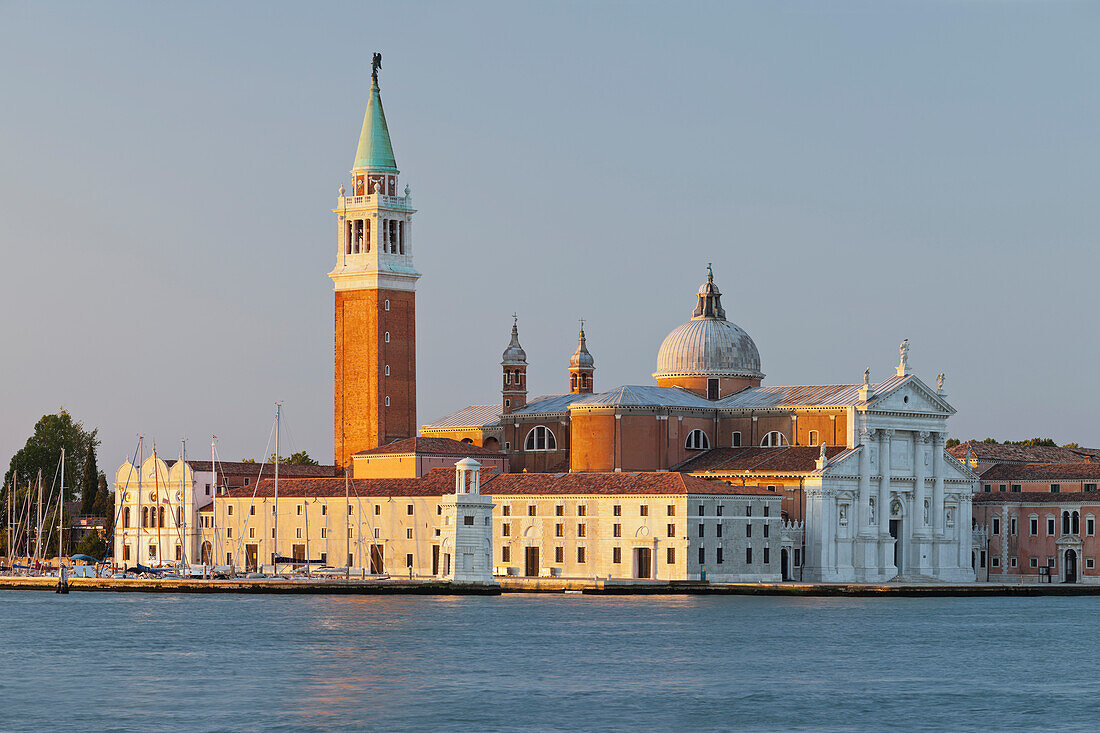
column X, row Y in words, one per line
column 912, row 396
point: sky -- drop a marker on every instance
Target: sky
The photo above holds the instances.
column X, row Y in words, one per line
column 858, row 173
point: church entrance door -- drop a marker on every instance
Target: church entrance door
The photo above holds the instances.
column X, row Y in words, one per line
column 531, row 562
column 643, row 562
column 895, row 532
column 784, row 557
column 251, row 557
column 1071, row 566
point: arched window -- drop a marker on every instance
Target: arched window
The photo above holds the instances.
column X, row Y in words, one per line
column 774, row 439
column 126, row 518
column 161, row 516
column 1065, row 522
column 697, row 440
column 540, row 438
column 145, row 516
column 813, row 437
column 1076, row 523
column 573, row 382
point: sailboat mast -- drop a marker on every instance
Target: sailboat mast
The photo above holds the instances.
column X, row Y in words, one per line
column 347, row 522
column 182, row 527
column 38, row 525
column 213, row 508
column 278, row 415
column 61, row 515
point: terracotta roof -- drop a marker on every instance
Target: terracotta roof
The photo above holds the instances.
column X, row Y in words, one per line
column 241, row 468
column 763, row 460
column 1036, row 497
column 1022, row 453
column 442, row 481
column 433, row 446
column 1041, row 472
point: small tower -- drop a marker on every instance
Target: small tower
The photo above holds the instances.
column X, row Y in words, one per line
column 581, row 367
column 514, row 363
column 468, row 528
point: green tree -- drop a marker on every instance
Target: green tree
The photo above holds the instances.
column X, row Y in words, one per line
column 43, row 452
column 89, row 482
column 1034, row 442
column 92, row 545
column 1072, row 445
column 105, row 503
column 952, row 442
column 301, row 458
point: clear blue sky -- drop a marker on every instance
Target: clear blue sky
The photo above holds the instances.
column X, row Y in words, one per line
column 858, row 173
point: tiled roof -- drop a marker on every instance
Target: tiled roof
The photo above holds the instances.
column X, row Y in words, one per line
column 241, row 468
column 474, row 416
column 1042, row 472
column 442, row 481
column 1023, row 453
column 633, row 395
column 762, row 460
column 549, row 404
column 1037, row 497
column 432, row 446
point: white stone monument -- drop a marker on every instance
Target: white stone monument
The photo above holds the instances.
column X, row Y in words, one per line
column 468, row 527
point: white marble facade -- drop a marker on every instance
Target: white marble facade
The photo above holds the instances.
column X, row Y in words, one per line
column 896, row 504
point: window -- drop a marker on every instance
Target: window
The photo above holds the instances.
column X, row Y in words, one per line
column 387, row 304
column 153, row 551
column 299, row 507
column 748, row 555
column 559, row 554
column 1055, row 488
column 736, row 440
column 324, row 533
column 387, row 370
column 1050, row 562
column 229, row 532
column 670, row 556
column 1012, row 526
column 1016, row 488
column 252, row 533
column 229, row 509
column 582, row 510
column 208, row 489
column 812, row 439
column 387, row 337
column 559, row 530
column 712, row 388
column 126, row 553
column 1001, row 487
column 671, row 530
column 617, row 554
column 718, row 556
column 987, row 488
column 298, row 532
column 506, row 529
column 702, row 530
column 767, row 510
column 1033, row 526
column 1090, row 525
column 580, row 554
column 617, row 530
column 774, row 439
column 617, row 510
column 701, row 510
column 767, row 555
column 702, row 556
column 409, row 531
column 408, row 560
column 324, row 510
column 272, row 533
column 1090, row 487
column 996, row 525
column 748, row 510
column 350, row 509
column 1090, row 562
column 506, row 554
column 506, row 510
column 126, row 520
column 748, row 529
column 670, row 510
column 995, row 562
column 408, row 510
column 531, row 510
column 540, row 438
column 719, row 532
column 1033, row 562
column 798, row 557
column 376, row 533
column 387, row 400
column 582, row 530
column 718, row 510
column 252, row 510
column 559, row 511
column 765, row 530
column 643, row 510
column 697, row 440
column 1050, row 526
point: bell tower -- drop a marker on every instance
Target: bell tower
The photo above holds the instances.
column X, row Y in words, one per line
column 581, row 367
column 375, row 296
column 513, row 361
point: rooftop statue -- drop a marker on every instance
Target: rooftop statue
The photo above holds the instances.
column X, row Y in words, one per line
column 375, row 65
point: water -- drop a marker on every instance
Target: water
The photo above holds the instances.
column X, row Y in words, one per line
column 102, row 661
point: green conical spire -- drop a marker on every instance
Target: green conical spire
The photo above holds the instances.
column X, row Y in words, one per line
column 375, row 153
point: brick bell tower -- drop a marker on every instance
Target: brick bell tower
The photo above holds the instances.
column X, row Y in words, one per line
column 375, row 297
column 513, row 361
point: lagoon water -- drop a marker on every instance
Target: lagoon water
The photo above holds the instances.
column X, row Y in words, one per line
column 104, row 661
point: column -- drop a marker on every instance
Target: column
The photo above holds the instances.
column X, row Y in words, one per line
column 864, row 510
column 965, row 520
column 883, row 512
column 937, row 477
column 919, row 527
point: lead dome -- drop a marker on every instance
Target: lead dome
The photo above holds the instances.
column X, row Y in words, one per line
column 708, row 345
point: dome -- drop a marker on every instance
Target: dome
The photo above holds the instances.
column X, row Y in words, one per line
column 514, row 354
column 708, row 344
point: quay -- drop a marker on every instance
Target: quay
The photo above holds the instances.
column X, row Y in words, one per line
column 585, row 586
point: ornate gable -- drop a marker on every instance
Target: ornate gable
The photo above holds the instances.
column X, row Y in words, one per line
column 912, row 395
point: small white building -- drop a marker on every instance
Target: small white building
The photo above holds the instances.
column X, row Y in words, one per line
column 468, row 527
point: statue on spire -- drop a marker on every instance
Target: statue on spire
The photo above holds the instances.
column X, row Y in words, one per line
column 903, row 364
column 375, row 65
column 710, row 273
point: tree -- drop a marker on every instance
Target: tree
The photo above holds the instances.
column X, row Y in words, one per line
column 301, row 458
column 43, row 451
column 89, row 483
column 1072, row 445
column 1034, row 442
column 952, row 442
column 105, row 503
column 91, row 545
